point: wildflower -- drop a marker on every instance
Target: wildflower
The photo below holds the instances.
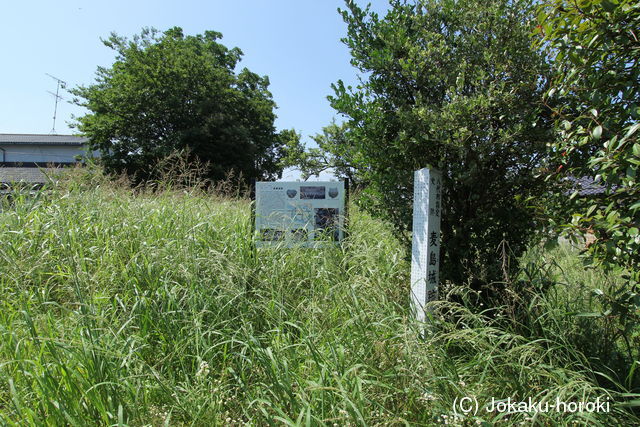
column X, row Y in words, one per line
column 203, row 370
column 426, row 397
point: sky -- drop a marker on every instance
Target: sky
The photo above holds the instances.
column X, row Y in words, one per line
column 294, row 42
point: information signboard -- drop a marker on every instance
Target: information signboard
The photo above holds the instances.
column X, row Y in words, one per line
column 425, row 245
column 302, row 214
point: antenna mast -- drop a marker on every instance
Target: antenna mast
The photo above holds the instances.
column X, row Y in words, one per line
column 60, row 84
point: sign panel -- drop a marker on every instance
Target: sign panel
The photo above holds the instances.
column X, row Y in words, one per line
column 425, row 244
column 301, row 214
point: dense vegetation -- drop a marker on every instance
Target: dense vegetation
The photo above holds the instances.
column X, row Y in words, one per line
column 142, row 307
column 456, row 85
column 168, row 92
column 474, row 88
column 596, row 93
column 148, row 305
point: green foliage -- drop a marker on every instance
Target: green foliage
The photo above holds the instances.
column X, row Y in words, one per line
column 168, row 92
column 455, row 85
column 137, row 307
column 332, row 152
column 596, row 53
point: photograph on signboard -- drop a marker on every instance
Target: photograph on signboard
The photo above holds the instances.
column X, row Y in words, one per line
column 312, row 192
column 300, row 234
column 327, row 222
column 272, row 235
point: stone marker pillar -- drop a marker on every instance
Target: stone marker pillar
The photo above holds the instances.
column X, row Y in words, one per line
column 425, row 246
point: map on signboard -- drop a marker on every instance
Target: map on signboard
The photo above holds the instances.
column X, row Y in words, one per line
column 299, row 213
column 425, row 245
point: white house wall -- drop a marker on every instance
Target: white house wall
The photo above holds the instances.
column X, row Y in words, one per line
column 40, row 153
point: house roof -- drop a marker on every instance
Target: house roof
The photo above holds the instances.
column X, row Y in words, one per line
column 35, row 139
column 10, row 175
column 586, row 186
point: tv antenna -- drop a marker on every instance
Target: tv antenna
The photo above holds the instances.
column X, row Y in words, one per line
column 60, row 84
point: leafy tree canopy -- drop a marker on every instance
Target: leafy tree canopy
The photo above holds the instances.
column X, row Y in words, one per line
column 596, row 87
column 329, row 154
column 167, row 92
column 457, row 85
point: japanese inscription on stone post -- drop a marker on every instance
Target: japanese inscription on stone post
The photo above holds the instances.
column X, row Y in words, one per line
column 425, row 250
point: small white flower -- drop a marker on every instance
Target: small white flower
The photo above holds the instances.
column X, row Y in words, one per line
column 203, row 370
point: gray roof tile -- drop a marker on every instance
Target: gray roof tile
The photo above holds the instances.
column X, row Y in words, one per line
column 33, row 139
column 586, row 186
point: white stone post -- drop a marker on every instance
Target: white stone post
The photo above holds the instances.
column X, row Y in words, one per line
column 425, row 246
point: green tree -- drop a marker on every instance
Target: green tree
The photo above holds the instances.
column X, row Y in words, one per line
column 596, row 51
column 167, row 92
column 329, row 153
column 457, row 85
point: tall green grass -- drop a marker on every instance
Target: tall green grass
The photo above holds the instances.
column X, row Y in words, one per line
column 122, row 307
